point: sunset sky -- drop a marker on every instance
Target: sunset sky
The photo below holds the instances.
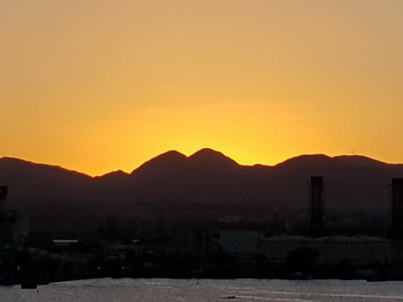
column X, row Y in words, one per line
column 100, row 85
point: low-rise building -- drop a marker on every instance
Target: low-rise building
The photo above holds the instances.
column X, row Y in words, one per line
column 240, row 244
column 331, row 250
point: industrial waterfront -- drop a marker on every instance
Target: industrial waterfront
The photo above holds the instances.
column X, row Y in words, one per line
column 222, row 254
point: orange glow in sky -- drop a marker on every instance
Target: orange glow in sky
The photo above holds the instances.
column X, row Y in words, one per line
column 97, row 85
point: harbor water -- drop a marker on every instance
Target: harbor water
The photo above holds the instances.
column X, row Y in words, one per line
column 195, row 290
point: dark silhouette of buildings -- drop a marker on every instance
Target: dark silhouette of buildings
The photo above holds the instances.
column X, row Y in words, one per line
column 316, row 206
column 7, row 217
column 397, row 207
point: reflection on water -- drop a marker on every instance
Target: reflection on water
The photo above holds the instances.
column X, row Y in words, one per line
column 150, row 290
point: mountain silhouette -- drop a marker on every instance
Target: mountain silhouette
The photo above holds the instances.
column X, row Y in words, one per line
column 211, row 160
column 207, row 183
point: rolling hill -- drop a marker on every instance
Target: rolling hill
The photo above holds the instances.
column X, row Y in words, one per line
column 206, row 184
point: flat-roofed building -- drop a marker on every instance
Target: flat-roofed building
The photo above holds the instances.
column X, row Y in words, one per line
column 331, row 250
column 241, row 244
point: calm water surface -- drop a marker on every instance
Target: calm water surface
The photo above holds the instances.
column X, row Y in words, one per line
column 147, row 290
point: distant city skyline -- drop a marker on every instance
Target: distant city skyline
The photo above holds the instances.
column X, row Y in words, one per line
column 97, row 86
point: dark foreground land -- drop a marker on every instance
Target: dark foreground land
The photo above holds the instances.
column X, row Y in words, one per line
column 31, row 267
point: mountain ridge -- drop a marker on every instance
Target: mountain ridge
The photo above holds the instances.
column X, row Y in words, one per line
column 204, row 184
column 173, row 153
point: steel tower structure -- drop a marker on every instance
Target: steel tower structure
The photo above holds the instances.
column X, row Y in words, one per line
column 397, row 206
column 316, row 206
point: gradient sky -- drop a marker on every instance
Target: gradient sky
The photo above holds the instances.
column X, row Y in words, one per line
column 101, row 85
